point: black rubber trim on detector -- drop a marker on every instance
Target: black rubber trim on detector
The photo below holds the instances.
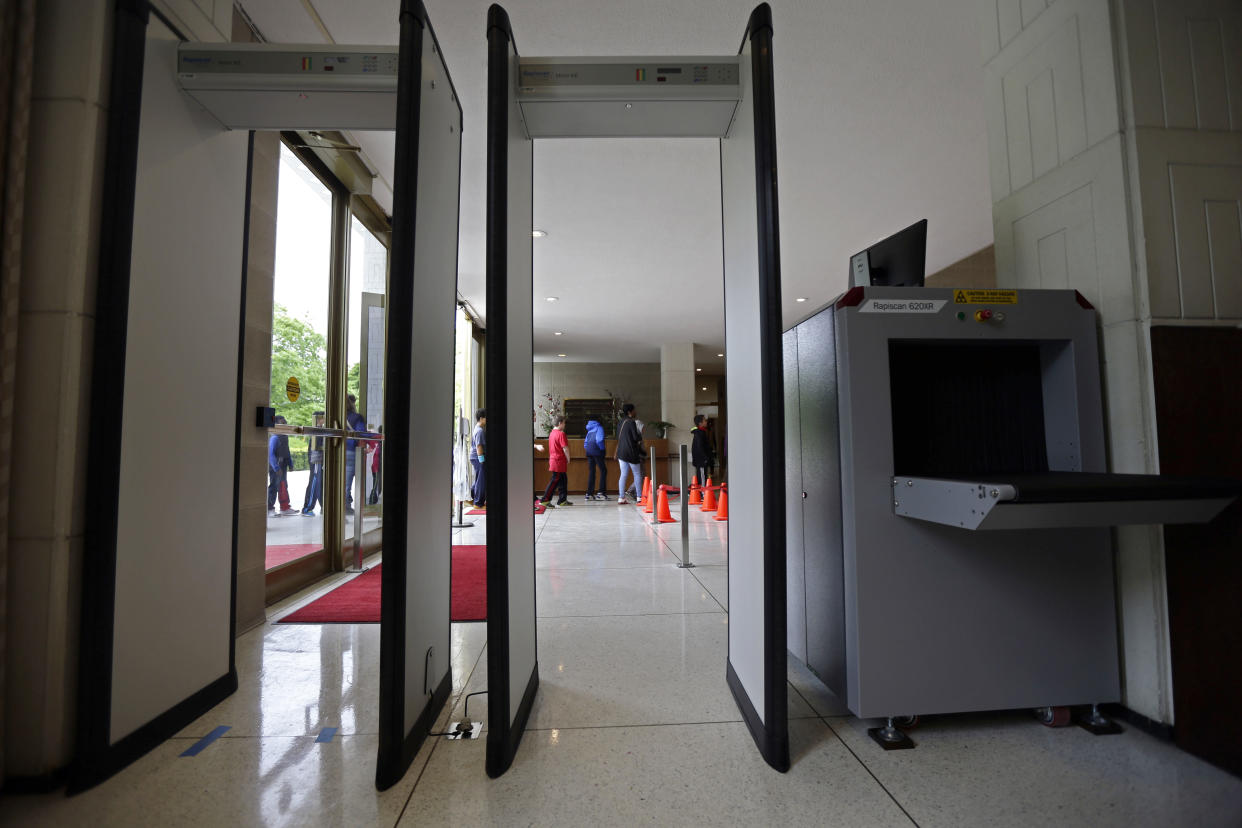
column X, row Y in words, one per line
column 500, row 746
column 772, row 734
column 396, row 746
column 418, row 11
column 239, row 417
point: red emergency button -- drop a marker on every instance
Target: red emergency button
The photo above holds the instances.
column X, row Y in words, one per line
column 983, row 315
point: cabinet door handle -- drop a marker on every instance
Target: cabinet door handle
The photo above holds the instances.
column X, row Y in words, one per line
column 804, row 495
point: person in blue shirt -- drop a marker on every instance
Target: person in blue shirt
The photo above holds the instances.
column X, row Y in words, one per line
column 279, row 464
column 593, row 445
column 354, row 422
column 478, row 451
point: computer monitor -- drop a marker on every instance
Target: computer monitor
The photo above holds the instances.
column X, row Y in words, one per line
column 898, row 261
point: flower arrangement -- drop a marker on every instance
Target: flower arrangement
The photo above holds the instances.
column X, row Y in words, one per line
column 547, row 411
column 618, row 398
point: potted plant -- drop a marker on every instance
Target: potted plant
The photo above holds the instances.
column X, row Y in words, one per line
column 661, row 427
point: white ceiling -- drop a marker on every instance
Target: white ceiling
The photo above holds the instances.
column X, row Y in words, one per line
column 879, row 108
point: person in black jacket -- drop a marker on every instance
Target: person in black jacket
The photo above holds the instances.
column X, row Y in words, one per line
column 700, row 449
column 629, row 453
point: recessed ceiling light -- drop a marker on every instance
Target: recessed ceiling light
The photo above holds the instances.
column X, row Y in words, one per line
column 538, row 234
column 560, row 355
column 719, row 354
column 704, row 388
column 558, row 333
column 698, row 369
column 552, row 298
column 800, row 299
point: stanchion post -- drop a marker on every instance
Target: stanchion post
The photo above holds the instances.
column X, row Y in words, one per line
column 461, row 523
column 685, row 513
column 651, row 454
column 360, row 486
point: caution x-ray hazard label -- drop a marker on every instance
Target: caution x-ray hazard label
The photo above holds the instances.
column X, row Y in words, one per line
column 985, row 297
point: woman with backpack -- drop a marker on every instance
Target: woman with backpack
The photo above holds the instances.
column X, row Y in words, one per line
column 630, row 453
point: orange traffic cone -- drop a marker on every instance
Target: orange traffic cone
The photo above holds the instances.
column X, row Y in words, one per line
column 649, row 504
column 696, row 494
column 722, row 513
column 709, row 499
column 662, row 515
column 646, row 493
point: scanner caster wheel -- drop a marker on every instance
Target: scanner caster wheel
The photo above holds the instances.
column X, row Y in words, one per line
column 1053, row 716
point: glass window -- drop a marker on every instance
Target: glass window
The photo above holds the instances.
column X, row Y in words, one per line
column 364, row 360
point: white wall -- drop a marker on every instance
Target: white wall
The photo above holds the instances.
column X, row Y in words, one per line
column 1183, row 90
column 1058, row 164
column 639, row 380
column 1096, row 111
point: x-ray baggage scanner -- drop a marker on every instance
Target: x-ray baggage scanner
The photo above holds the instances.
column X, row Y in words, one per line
column 948, row 502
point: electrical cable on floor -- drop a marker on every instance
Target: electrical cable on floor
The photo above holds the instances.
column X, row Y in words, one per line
column 465, row 725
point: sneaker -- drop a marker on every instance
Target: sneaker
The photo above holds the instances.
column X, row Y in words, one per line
column 548, row 505
column 288, row 511
column 308, row 514
column 621, row 501
column 564, row 503
column 601, row 496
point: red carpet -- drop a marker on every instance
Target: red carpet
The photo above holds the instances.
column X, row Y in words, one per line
column 278, row 554
column 477, row 512
column 357, row 601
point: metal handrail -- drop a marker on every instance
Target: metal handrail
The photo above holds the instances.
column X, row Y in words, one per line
column 323, row 431
column 359, row 463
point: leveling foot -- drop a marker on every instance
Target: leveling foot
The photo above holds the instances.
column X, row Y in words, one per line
column 889, row 737
column 1095, row 723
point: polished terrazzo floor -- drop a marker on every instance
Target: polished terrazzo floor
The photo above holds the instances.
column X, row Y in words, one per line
column 633, row 725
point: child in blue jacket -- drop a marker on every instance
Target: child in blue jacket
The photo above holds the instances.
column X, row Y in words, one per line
column 593, row 444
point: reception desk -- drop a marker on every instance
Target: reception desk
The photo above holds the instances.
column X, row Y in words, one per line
column 578, row 464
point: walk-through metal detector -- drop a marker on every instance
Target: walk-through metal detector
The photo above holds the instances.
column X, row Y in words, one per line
column 524, row 102
column 158, row 584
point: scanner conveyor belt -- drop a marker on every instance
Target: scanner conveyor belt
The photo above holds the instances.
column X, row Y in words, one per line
column 1050, row 500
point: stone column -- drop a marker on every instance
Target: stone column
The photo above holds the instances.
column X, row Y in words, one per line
column 677, row 390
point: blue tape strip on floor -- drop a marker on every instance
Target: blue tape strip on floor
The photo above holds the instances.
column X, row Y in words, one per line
column 326, row 734
column 198, row 747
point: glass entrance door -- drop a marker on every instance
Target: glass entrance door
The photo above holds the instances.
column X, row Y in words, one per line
column 299, row 378
column 327, row 378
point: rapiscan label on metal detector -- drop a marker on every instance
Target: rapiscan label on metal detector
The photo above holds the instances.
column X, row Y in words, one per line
column 902, row 306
